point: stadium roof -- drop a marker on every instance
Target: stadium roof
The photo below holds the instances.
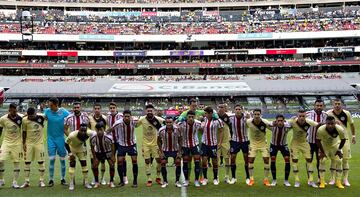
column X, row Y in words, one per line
column 250, row 85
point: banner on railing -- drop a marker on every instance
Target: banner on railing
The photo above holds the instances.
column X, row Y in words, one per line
column 62, row 53
column 184, row 65
column 186, row 53
column 231, row 52
column 11, row 53
column 129, row 53
column 337, row 50
column 148, row 14
column 281, row 51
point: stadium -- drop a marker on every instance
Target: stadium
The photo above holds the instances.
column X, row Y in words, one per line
column 279, row 56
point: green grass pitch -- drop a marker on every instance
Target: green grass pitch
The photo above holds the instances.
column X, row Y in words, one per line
column 224, row 190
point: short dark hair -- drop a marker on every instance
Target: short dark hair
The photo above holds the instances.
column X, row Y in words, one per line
column 238, row 105
column 337, row 100
column 191, row 112
column 112, row 103
column 169, row 117
column 127, row 112
column 221, row 103
column 319, row 101
column 96, row 105
column 208, row 110
column 192, row 101
column 12, row 106
column 301, row 111
column 30, row 111
column 149, row 106
column 257, row 109
column 330, row 118
column 280, row 116
column 54, row 100
column 100, row 125
column 76, row 103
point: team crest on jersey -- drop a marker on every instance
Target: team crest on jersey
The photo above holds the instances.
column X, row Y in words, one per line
column 39, row 120
column 18, row 122
column 13, row 128
column 225, row 119
column 262, row 128
column 342, row 118
column 306, row 127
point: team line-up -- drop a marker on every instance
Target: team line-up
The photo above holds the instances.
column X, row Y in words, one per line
column 198, row 135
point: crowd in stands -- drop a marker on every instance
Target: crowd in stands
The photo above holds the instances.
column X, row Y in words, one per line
column 176, row 78
column 167, row 78
column 302, row 76
column 185, row 15
column 174, row 60
column 228, row 77
column 142, row 46
column 187, row 22
column 143, row 1
column 286, row 104
column 189, row 28
column 59, row 79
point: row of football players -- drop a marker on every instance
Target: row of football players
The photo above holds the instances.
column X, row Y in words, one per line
column 226, row 135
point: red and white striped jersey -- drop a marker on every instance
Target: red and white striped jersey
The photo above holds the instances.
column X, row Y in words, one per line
column 113, row 118
column 74, row 122
column 101, row 145
column 311, row 132
column 189, row 133
column 124, row 133
column 279, row 135
column 170, row 139
column 239, row 130
column 210, row 131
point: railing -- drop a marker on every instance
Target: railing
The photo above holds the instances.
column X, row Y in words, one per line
column 163, row 3
column 182, row 65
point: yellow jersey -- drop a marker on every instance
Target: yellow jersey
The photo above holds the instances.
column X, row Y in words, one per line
column 327, row 140
column 257, row 133
column 94, row 121
column 150, row 132
column 11, row 130
column 75, row 143
column 344, row 118
column 300, row 131
column 226, row 134
column 34, row 129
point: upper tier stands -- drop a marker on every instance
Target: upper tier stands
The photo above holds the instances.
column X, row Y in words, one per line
column 134, row 22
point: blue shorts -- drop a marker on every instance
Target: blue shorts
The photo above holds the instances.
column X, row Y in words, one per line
column 209, row 151
column 235, row 147
column 283, row 149
column 129, row 150
column 191, row 151
column 56, row 146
